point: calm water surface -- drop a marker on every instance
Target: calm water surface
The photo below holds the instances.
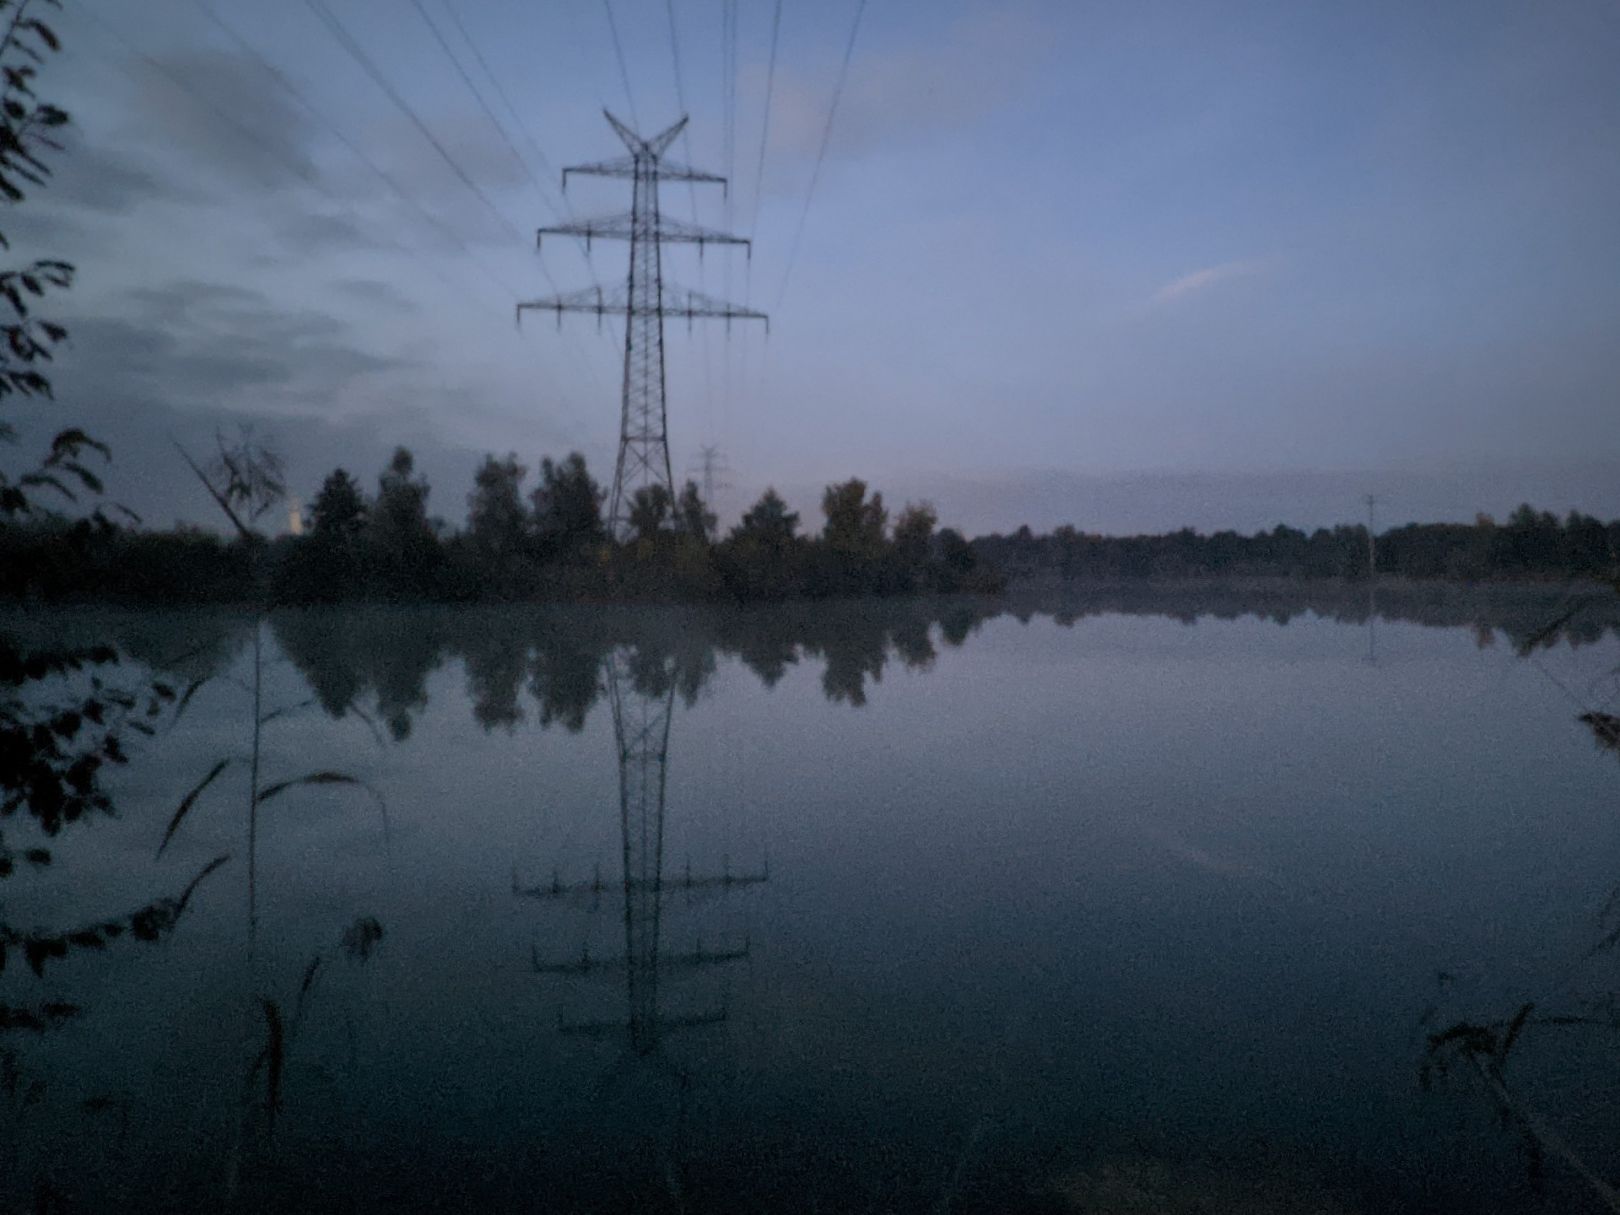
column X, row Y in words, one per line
column 916, row 908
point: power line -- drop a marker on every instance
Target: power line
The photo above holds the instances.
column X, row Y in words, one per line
column 303, row 171
column 728, row 88
column 624, row 72
column 765, row 126
column 728, row 127
column 680, row 96
column 826, row 138
column 205, row 103
column 292, row 90
column 759, row 178
column 517, row 118
column 478, row 96
column 557, row 206
column 691, row 190
column 358, row 54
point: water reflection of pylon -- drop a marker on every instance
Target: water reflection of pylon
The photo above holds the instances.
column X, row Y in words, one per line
column 641, row 720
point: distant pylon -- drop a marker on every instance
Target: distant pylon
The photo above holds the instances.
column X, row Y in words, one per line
column 1372, row 544
column 710, row 465
column 644, row 301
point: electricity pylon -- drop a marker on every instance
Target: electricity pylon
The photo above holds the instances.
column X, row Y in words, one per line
column 644, row 301
column 1372, row 533
column 641, row 728
column 710, row 466
column 1372, row 581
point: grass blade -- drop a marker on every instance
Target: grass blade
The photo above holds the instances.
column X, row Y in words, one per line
column 327, row 778
column 185, row 697
column 275, row 1055
column 191, row 887
column 314, row 778
column 284, row 710
column 187, row 802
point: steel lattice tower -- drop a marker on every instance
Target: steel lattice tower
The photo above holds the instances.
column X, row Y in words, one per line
column 644, row 301
column 711, row 467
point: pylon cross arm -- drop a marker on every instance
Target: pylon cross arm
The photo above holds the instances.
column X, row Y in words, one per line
column 629, row 166
column 672, row 301
column 626, row 225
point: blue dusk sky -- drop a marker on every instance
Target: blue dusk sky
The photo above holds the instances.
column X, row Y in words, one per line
column 1129, row 266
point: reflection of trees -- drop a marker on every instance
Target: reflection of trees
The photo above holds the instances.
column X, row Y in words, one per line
column 495, row 662
column 565, row 681
column 913, row 645
column 849, row 664
column 380, row 658
column 1526, row 616
column 373, row 655
column 377, row 660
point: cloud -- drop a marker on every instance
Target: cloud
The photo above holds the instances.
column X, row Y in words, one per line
column 103, row 180
column 215, row 346
column 319, row 233
column 1201, row 280
column 372, row 293
column 224, row 113
column 92, row 188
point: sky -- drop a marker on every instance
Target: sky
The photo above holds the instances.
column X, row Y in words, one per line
column 1126, row 266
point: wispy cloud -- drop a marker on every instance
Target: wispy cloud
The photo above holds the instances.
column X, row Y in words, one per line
column 1201, row 280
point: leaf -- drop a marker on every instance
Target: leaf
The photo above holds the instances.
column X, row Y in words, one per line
column 87, row 478
column 190, row 800
column 73, row 438
column 46, row 479
column 316, row 778
column 46, row 34
column 284, row 710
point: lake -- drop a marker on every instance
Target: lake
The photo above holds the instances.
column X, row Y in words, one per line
column 1120, row 903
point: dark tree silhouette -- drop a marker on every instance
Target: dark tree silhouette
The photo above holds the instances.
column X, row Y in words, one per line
column 568, row 509
column 855, row 523
column 497, row 523
column 338, row 514
column 405, row 546
column 768, row 522
column 693, row 518
column 649, row 511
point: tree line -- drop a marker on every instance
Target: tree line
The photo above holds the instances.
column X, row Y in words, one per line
column 1530, row 544
column 520, row 542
